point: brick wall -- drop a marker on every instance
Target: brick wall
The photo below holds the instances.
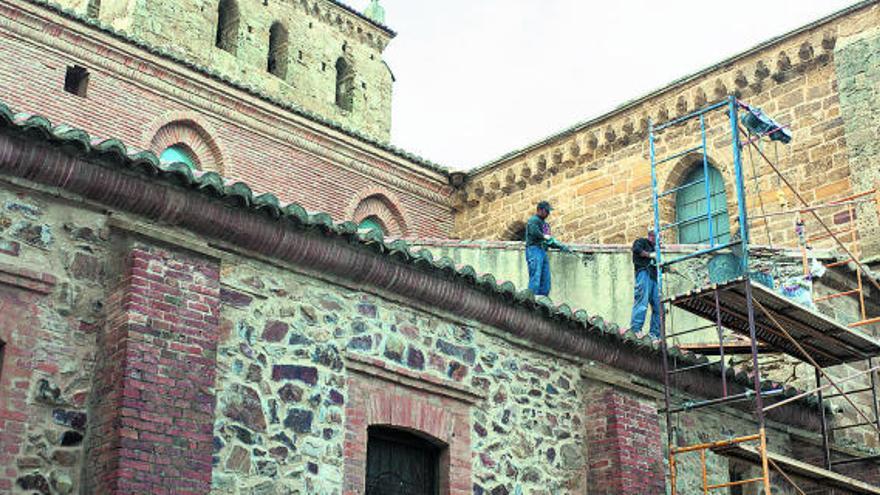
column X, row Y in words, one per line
column 598, row 175
column 18, row 314
column 153, row 402
column 625, row 447
column 271, row 149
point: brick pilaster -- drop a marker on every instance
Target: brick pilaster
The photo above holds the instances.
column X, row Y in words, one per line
column 625, row 445
column 153, row 412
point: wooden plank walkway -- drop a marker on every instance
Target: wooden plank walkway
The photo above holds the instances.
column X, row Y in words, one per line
column 800, row 469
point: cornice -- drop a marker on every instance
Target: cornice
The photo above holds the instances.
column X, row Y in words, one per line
column 736, row 75
column 105, row 172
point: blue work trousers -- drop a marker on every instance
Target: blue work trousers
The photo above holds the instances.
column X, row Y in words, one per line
column 539, row 270
column 645, row 294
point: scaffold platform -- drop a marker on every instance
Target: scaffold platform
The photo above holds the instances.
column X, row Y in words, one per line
column 751, row 319
column 827, row 341
column 799, row 469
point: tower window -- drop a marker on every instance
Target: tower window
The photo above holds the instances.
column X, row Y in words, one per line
column 277, row 62
column 227, row 26
column 76, row 80
column 344, row 84
column 93, row 9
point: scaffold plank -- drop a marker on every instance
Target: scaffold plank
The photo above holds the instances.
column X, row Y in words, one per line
column 800, row 469
column 828, row 342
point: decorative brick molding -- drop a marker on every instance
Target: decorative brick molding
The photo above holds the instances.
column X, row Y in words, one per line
column 382, row 395
column 625, row 451
column 381, row 208
column 192, row 130
column 153, row 412
column 16, row 276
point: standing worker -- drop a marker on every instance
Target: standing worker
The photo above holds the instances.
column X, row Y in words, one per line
column 538, row 240
column 644, row 257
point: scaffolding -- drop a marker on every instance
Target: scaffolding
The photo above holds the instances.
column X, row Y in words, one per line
column 742, row 306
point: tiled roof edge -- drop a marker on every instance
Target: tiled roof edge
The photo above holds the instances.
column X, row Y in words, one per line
column 114, row 152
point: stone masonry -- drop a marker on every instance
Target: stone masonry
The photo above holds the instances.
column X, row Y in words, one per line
column 318, row 34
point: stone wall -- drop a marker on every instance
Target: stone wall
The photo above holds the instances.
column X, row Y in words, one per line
column 597, row 174
column 858, row 70
column 150, row 333
column 286, row 366
column 151, row 102
column 319, row 32
column 599, row 278
column 52, row 304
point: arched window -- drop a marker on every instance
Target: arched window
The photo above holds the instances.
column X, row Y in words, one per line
column 227, row 26
column 690, row 208
column 277, row 63
column 93, row 9
column 372, row 223
column 344, row 84
column 180, row 153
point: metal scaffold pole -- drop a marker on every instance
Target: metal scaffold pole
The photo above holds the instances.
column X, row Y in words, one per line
column 741, row 306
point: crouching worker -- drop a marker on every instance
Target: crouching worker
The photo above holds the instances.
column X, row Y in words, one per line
column 538, row 240
column 646, row 293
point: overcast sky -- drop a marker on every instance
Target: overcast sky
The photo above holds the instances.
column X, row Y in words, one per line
column 479, row 78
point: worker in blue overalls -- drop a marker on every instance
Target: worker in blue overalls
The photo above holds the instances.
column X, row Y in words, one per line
column 538, row 240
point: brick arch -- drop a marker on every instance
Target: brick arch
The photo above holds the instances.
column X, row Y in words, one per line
column 382, row 204
column 373, row 401
column 190, row 131
column 515, row 231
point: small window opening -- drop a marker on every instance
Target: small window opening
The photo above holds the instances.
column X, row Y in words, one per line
column 76, row 80
column 180, row 153
column 227, row 26
column 300, row 55
column 277, row 60
column 736, row 472
column 344, row 84
column 93, row 9
column 516, row 231
column 372, row 223
column 323, row 66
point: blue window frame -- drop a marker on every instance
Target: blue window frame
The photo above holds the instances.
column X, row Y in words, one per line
column 690, row 203
column 372, row 223
column 179, row 153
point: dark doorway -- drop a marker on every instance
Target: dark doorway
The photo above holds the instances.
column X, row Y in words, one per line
column 401, row 463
